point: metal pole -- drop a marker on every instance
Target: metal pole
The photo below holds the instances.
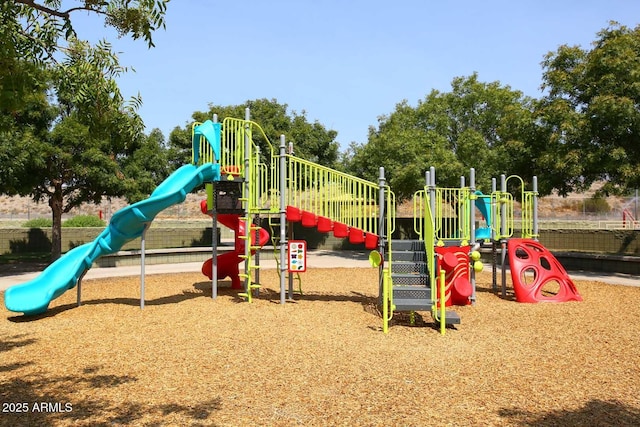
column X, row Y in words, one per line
column 257, row 221
column 79, row 299
column 290, row 230
column 535, row 207
column 214, row 250
column 503, row 241
column 432, row 192
column 214, row 237
column 142, row 264
column 283, row 218
column 472, row 219
column 494, row 249
column 382, row 183
column 246, row 196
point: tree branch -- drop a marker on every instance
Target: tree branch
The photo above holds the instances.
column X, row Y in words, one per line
column 54, row 12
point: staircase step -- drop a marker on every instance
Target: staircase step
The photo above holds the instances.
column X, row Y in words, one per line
column 411, row 292
column 408, row 256
column 412, row 304
column 409, row 267
column 451, row 318
column 407, row 245
column 410, row 279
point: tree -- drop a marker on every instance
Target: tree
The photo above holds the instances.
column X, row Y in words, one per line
column 31, row 33
column 86, row 144
column 480, row 125
column 312, row 141
column 79, row 145
column 590, row 116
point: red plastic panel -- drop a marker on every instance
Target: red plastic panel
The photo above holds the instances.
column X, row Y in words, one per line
column 534, row 270
column 454, row 260
column 293, row 214
column 325, row 225
column 356, row 236
column 340, row 230
column 309, row 219
column 370, row 241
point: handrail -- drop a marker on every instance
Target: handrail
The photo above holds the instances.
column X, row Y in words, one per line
column 387, row 300
column 333, row 194
column 501, row 199
column 418, row 217
column 528, row 215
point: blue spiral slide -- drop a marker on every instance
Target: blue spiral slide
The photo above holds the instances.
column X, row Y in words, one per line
column 33, row 297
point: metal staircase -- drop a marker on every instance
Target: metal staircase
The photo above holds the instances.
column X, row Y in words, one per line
column 411, row 284
column 410, row 276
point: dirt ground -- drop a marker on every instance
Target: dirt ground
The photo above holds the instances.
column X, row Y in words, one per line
column 323, row 360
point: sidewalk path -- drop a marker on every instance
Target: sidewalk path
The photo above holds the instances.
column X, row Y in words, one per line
column 315, row 259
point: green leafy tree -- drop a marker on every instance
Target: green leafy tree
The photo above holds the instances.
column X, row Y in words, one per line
column 78, row 145
column 85, row 145
column 32, row 32
column 312, row 141
column 590, row 115
column 480, row 125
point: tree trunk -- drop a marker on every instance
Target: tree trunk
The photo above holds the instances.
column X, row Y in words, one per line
column 56, row 204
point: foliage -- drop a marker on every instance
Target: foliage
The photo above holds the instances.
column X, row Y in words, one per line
column 38, row 223
column 590, row 116
column 37, row 27
column 82, row 147
column 312, row 141
column 66, row 134
column 597, row 204
column 480, row 125
column 84, row 221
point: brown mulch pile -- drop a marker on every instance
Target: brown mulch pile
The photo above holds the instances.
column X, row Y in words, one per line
column 323, row 360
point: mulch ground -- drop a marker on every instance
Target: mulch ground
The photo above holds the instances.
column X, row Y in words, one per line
column 323, row 360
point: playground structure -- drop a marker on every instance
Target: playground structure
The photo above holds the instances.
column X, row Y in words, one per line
column 247, row 179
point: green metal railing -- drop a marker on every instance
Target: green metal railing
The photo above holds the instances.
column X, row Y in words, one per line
column 452, row 215
column 333, row 194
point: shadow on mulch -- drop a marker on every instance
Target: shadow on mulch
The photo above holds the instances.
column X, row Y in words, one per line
column 47, row 400
column 200, row 291
column 595, row 412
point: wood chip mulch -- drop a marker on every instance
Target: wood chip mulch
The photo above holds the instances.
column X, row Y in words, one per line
column 189, row 360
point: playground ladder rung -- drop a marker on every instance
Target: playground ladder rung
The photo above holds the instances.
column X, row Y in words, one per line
column 254, row 286
column 243, row 237
column 254, row 266
column 255, row 247
column 243, row 275
column 243, row 295
column 243, row 256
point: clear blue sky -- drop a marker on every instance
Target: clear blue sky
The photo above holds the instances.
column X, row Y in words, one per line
column 345, row 62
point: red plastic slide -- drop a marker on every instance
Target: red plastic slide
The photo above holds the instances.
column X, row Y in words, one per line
column 228, row 262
